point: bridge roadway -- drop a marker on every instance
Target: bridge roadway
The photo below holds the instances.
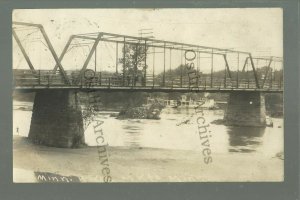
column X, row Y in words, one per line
column 146, row 89
column 153, row 84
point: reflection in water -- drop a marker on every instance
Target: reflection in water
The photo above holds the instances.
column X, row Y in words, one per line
column 133, row 135
column 245, row 139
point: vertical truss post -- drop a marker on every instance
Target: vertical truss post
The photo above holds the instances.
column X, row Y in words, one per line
column 145, row 75
column 198, row 66
column 124, row 61
column 23, row 52
column 99, row 54
column 212, row 68
column 164, row 75
column 181, row 69
column 225, row 71
column 153, row 65
column 116, row 57
column 171, row 78
column 237, row 74
column 271, row 81
column 247, row 75
column 135, row 65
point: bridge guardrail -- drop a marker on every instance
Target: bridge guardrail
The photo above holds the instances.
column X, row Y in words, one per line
column 47, row 78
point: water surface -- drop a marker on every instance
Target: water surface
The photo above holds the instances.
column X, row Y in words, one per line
column 170, row 133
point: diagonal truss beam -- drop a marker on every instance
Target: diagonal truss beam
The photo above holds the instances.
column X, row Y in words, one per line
column 63, row 52
column 50, row 47
column 66, row 48
column 227, row 66
column 88, row 57
column 254, row 71
column 23, row 52
column 227, row 70
column 62, row 71
column 267, row 72
column 245, row 64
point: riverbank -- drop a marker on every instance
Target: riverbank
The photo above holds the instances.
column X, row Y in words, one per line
column 142, row 164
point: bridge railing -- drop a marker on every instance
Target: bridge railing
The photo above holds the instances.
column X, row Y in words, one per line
column 46, row 78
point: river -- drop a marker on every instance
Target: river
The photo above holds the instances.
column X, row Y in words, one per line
column 167, row 133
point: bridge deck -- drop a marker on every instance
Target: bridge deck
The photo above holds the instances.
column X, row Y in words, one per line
column 148, row 89
column 45, row 80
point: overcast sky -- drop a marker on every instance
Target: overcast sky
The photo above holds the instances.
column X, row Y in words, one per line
column 256, row 30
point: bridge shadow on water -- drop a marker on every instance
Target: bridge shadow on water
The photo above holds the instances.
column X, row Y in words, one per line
column 245, row 139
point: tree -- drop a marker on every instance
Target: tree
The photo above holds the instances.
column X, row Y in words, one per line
column 135, row 63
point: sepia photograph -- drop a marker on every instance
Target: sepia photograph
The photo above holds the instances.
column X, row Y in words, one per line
column 148, row 95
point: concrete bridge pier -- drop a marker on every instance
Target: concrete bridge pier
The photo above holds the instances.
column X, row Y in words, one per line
column 245, row 109
column 57, row 119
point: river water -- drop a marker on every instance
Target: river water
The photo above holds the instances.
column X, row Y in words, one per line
column 169, row 133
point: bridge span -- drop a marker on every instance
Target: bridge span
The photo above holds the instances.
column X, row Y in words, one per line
column 57, row 117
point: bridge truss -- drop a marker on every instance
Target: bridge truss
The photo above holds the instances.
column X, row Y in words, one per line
column 242, row 74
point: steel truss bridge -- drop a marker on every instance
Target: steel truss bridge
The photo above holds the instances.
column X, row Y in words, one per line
column 244, row 75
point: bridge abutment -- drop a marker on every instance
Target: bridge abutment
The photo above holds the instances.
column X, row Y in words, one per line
column 245, row 109
column 57, row 119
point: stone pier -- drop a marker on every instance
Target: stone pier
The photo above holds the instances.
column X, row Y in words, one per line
column 245, row 109
column 57, row 119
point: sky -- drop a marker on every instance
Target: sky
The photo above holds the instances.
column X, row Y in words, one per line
column 255, row 30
